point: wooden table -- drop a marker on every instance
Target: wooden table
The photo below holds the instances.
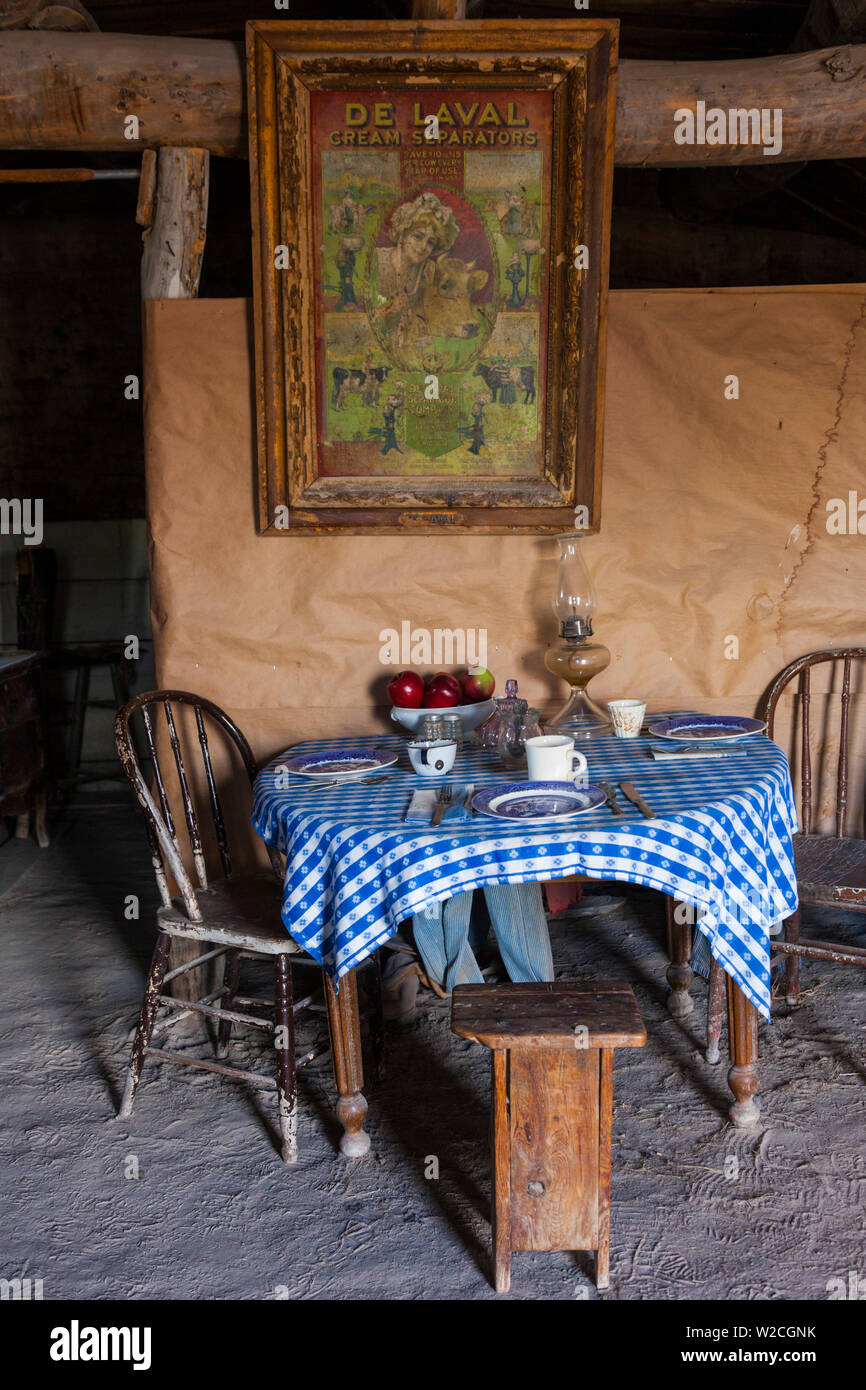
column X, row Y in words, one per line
column 351, row 1108
column 702, row 846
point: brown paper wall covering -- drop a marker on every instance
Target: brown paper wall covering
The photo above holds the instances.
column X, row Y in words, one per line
column 713, row 525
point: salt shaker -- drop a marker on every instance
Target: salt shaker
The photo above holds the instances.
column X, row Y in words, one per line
column 453, row 726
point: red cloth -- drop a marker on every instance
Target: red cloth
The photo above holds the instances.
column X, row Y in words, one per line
column 561, row 896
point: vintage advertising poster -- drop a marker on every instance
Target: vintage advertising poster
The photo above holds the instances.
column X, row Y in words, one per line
column 431, row 280
column 431, row 206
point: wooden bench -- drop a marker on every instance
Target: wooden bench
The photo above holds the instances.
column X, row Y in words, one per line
column 552, row 1047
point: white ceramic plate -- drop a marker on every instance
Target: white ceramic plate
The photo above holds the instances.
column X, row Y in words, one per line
column 527, row 802
column 707, row 728
column 342, row 763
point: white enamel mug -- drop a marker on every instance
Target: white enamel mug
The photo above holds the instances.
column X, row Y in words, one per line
column 554, row 758
column 432, row 757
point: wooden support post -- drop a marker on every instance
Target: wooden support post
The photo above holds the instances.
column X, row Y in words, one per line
column 172, row 208
column 174, row 242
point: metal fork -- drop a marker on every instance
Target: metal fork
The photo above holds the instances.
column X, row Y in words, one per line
column 446, row 796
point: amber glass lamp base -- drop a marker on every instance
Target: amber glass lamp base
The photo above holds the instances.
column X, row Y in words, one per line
column 576, row 660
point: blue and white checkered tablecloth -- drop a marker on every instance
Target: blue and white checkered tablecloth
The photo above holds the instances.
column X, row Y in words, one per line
column 721, row 841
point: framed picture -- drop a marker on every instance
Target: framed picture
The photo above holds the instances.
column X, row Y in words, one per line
column 431, row 207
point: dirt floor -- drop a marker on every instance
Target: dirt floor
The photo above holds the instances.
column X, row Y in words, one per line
column 700, row 1210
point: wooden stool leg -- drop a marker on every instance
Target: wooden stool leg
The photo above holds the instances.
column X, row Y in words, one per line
column 792, row 963
column 743, row 1074
column 149, row 1006
column 501, row 1175
column 231, row 979
column 605, row 1128
column 679, row 973
column 715, row 1006
column 284, row 1042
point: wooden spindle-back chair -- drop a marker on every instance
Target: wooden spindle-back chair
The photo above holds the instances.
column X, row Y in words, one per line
column 237, row 916
column 831, row 869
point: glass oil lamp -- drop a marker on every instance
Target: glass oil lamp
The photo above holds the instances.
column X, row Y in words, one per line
column 575, row 656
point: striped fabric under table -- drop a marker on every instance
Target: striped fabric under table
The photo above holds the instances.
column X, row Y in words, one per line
column 721, row 841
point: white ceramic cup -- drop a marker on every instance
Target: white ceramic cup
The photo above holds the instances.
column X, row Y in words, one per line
column 627, row 717
column 553, row 758
column 432, row 757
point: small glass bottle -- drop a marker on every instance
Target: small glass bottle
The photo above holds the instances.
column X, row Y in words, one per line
column 501, row 732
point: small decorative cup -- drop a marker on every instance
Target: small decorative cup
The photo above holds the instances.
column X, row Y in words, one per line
column 627, row 717
column 432, row 757
column 553, row 758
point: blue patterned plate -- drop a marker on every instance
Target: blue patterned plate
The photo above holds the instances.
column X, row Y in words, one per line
column 342, row 762
column 536, row 801
column 718, row 728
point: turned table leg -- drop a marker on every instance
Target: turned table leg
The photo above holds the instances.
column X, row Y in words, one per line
column 715, row 1005
column 345, row 1028
column 743, row 1074
column 679, row 973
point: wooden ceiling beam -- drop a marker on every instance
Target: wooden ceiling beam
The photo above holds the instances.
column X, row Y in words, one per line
column 821, row 95
column 75, row 91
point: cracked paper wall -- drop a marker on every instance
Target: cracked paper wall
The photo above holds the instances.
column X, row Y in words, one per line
column 713, row 526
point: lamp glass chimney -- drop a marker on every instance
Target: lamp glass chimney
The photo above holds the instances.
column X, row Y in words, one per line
column 575, row 601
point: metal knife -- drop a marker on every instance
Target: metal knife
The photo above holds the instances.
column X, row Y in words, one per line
column 612, row 802
column 349, row 782
column 467, row 798
column 628, row 789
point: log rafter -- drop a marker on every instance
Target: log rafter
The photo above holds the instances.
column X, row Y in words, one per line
column 45, row 14
column 73, row 91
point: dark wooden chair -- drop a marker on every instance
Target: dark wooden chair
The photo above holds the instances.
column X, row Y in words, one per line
column 235, row 916
column 36, row 603
column 23, row 781
column 831, row 869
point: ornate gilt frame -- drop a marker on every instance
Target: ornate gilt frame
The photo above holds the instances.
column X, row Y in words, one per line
column 576, row 60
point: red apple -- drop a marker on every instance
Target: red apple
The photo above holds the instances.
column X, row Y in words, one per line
column 478, row 684
column 442, row 691
column 406, row 690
